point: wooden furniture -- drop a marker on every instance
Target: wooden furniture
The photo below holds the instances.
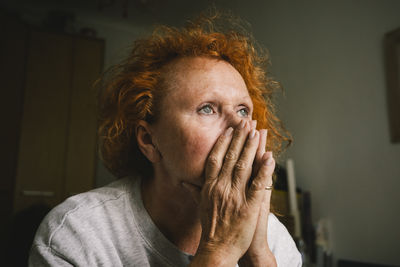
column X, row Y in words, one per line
column 48, row 115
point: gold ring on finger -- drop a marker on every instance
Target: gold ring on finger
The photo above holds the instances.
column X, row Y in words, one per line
column 269, row 187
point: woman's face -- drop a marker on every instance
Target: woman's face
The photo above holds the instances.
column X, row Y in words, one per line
column 205, row 96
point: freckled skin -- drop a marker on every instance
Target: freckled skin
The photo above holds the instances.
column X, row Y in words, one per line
column 183, row 135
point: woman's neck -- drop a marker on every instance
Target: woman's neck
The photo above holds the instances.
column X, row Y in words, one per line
column 173, row 212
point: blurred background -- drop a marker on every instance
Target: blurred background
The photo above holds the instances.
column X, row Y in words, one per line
column 328, row 56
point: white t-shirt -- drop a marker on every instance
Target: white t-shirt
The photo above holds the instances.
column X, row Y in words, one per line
column 109, row 226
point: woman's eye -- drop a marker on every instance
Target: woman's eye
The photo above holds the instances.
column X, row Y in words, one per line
column 207, row 109
column 243, row 112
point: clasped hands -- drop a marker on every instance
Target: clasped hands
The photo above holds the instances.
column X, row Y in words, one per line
column 234, row 204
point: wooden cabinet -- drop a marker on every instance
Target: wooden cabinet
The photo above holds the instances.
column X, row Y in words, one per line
column 50, row 103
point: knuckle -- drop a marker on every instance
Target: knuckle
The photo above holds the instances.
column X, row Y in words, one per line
column 257, row 185
column 240, row 165
column 230, row 155
column 212, row 161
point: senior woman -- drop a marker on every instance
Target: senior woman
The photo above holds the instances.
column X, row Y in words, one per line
column 184, row 126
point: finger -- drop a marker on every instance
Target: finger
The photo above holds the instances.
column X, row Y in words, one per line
column 264, row 212
column 264, row 178
column 262, row 144
column 243, row 166
column 253, row 124
column 260, row 151
column 216, row 156
column 234, row 150
column 261, row 233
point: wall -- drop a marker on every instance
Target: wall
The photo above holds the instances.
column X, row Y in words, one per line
column 119, row 38
column 328, row 56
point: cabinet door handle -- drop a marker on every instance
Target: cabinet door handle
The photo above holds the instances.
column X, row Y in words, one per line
column 33, row 193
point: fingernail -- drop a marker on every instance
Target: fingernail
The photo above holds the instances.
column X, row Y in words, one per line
column 253, row 124
column 228, row 131
column 242, row 124
column 252, row 133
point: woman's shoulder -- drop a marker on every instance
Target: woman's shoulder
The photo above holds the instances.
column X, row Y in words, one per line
column 87, row 228
column 84, row 209
column 282, row 244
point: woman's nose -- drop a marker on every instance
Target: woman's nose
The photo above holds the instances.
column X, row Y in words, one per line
column 234, row 120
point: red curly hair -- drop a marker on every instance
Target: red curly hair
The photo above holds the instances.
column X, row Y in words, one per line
column 133, row 90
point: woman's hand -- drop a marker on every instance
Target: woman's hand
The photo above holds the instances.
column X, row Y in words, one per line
column 230, row 209
column 259, row 253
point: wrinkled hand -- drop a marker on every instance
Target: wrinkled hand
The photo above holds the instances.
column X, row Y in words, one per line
column 259, row 253
column 231, row 210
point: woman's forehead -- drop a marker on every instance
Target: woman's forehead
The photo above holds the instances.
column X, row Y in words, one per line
column 204, row 76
